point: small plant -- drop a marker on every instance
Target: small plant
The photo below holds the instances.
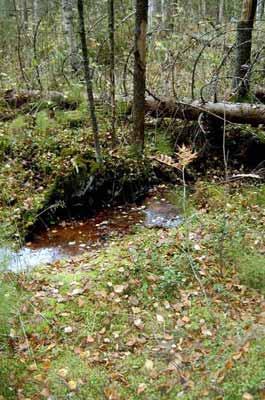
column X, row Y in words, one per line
column 18, row 124
column 251, row 268
column 172, row 279
column 43, row 122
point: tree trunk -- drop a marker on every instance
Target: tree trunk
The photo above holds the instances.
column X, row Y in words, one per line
column 68, row 29
column 151, row 12
column 88, row 79
column 203, row 8
column 243, row 49
column 112, row 70
column 221, row 11
column 260, row 10
column 242, row 113
column 25, row 13
column 139, row 80
column 39, row 9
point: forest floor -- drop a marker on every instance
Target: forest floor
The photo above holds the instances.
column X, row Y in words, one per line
column 157, row 314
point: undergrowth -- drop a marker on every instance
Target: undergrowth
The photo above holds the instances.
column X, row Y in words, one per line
column 131, row 321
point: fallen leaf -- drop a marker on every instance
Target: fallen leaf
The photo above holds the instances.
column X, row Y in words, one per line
column 72, row 385
column 229, row 364
column 119, row 289
column 68, row 329
column 141, row 388
column 90, row 339
column 45, row 392
column 139, row 323
column 149, row 365
column 247, row 396
column 63, row 372
column 160, row 319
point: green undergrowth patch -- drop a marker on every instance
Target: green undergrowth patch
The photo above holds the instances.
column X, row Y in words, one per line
column 47, row 161
column 158, row 314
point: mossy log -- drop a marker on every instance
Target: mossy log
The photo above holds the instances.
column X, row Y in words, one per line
column 18, row 98
column 242, row 113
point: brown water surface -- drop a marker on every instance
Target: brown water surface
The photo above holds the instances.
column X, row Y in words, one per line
column 74, row 237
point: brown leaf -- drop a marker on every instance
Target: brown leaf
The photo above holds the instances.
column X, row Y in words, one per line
column 90, row 339
column 141, row 388
column 45, row 392
column 139, row 323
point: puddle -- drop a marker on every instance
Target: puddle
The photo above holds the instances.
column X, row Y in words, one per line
column 71, row 238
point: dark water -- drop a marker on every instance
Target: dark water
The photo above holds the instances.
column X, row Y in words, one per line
column 71, row 238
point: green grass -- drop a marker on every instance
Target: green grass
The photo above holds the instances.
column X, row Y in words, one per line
column 141, row 326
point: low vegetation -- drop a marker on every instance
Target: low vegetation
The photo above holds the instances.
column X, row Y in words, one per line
column 159, row 314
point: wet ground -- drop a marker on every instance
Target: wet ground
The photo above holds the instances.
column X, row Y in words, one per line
column 71, row 238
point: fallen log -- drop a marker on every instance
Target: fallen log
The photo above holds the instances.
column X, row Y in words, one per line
column 241, row 113
column 18, row 98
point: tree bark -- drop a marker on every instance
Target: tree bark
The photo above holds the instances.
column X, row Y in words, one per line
column 243, row 49
column 260, row 10
column 18, row 98
column 139, row 80
column 88, row 79
column 68, row 29
column 242, row 113
column 221, row 11
column 112, row 70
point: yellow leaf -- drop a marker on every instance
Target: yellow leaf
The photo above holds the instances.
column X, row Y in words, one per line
column 149, row 365
column 63, row 372
column 72, row 385
column 247, row 396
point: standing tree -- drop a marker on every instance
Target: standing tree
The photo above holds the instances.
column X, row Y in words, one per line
column 221, row 11
column 260, row 10
column 243, row 49
column 139, row 78
column 88, row 79
column 68, row 29
column 112, row 69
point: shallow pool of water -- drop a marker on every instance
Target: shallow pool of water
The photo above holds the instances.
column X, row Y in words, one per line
column 71, row 238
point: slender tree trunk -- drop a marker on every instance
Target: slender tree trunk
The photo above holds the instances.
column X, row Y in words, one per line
column 203, row 8
column 112, row 70
column 68, row 29
column 88, row 79
column 39, row 9
column 221, row 11
column 260, row 10
column 243, row 49
column 139, row 73
column 25, row 14
column 151, row 12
